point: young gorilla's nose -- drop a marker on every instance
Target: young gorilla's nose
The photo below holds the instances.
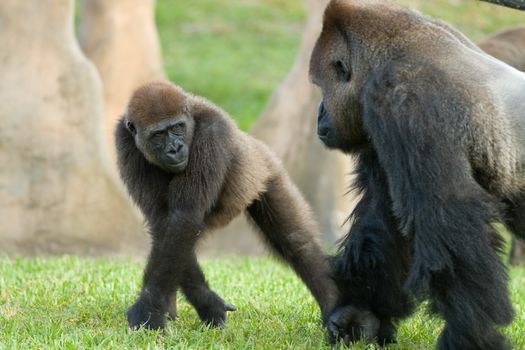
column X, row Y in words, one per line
column 174, row 149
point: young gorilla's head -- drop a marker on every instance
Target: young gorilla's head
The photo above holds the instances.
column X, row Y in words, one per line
column 160, row 122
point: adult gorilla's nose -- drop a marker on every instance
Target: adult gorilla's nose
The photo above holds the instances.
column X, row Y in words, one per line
column 322, row 131
column 321, row 110
column 323, row 126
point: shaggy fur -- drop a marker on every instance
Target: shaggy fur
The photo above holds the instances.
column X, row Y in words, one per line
column 227, row 173
column 438, row 130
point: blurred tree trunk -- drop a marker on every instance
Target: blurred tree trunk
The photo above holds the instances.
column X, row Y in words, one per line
column 289, row 125
column 121, row 38
column 509, row 47
column 57, row 193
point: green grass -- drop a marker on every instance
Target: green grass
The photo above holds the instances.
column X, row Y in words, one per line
column 78, row 303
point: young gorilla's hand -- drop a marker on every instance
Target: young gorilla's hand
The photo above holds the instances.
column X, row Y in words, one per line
column 147, row 313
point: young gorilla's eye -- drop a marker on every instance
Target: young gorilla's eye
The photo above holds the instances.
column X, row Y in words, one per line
column 131, row 127
column 178, row 126
column 343, row 72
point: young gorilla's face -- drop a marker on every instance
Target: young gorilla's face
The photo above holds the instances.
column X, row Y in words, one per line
column 165, row 143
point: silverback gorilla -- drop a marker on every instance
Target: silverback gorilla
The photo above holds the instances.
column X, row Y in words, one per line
column 190, row 170
column 438, row 130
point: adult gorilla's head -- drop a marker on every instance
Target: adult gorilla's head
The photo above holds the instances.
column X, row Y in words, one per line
column 354, row 42
column 336, row 68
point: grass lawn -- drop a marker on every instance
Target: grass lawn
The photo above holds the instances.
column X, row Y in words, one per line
column 76, row 303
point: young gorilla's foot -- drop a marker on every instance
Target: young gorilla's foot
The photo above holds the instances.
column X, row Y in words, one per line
column 172, row 308
column 172, row 312
column 146, row 313
column 212, row 309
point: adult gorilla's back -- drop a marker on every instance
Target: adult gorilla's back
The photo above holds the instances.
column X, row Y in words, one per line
column 438, row 128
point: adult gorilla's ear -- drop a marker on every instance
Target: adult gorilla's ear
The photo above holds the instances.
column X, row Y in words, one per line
column 343, row 69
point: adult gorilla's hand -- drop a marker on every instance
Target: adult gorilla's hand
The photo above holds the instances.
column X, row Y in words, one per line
column 351, row 324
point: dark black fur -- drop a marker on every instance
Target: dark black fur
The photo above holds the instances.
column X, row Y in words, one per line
column 445, row 212
column 439, row 159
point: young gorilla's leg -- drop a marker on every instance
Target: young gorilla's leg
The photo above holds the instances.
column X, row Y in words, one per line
column 172, row 307
column 210, row 306
column 284, row 219
column 372, row 264
column 170, row 255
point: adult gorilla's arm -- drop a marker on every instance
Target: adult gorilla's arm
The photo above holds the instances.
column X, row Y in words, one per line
column 372, row 263
column 419, row 124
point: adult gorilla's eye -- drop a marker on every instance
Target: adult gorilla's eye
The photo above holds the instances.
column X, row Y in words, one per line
column 131, row 127
column 343, row 73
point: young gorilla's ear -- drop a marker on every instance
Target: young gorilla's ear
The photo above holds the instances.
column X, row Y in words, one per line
column 129, row 125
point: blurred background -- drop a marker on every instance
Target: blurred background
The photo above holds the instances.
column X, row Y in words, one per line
column 68, row 68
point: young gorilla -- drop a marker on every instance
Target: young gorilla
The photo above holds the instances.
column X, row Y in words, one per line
column 190, row 170
column 438, row 130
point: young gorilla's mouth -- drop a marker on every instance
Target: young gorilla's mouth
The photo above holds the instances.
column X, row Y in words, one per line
column 177, row 166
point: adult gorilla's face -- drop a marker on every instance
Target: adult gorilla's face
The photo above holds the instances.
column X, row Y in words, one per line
column 333, row 67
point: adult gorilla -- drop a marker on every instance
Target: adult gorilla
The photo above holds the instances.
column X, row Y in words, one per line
column 438, row 130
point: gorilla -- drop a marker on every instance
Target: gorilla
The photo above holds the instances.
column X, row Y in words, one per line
column 190, row 170
column 437, row 128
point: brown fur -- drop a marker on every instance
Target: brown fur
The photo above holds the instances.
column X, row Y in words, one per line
column 507, row 46
column 228, row 173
